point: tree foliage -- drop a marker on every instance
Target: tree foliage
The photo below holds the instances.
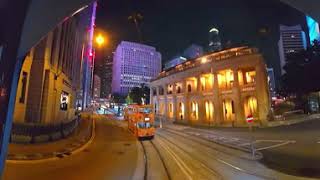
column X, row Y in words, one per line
column 302, row 71
column 118, row 98
column 140, row 94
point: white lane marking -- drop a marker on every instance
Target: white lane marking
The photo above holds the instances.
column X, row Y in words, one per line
column 270, row 140
column 232, row 140
column 244, row 144
column 180, row 163
column 276, row 145
column 233, row 166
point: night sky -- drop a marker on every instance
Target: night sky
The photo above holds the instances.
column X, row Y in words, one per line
column 172, row 25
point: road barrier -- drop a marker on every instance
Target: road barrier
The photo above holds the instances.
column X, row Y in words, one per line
column 39, row 133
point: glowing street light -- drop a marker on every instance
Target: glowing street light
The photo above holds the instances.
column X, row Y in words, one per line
column 100, row 40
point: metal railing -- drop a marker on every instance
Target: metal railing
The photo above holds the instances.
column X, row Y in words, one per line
column 34, row 129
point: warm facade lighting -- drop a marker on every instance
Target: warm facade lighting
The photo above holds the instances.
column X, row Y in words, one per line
column 203, row 60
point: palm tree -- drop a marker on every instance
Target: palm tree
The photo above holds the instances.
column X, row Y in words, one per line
column 137, row 18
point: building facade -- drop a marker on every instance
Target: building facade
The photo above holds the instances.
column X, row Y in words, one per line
column 175, row 61
column 272, row 82
column 292, row 39
column 193, row 51
column 313, row 27
column 106, row 77
column 214, row 40
column 96, row 86
column 218, row 89
column 51, row 78
column 134, row 64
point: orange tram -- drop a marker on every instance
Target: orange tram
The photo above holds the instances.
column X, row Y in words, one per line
column 140, row 121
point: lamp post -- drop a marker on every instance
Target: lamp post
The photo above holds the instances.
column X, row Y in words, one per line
column 99, row 40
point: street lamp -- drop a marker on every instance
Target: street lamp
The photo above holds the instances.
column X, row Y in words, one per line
column 99, row 40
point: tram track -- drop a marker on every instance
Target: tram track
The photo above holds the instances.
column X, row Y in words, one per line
column 217, row 159
column 152, row 157
column 204, row 165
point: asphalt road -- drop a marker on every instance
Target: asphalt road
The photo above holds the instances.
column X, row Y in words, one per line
column 106, row 158
column 293, row 149
column 116, row 154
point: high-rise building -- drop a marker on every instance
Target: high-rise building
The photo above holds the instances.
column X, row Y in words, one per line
column 292, row 39
column 193, row 51
column 55, row 72
column 96, row 86
column 313, row 26
column 214, row 40
column 106, row 77
column 271, row 82
column 133, row 65
column 174, row 61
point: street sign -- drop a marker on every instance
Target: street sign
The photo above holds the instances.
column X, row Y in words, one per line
column 249, row 119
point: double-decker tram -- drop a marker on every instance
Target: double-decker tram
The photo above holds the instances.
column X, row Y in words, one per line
column 140, row 121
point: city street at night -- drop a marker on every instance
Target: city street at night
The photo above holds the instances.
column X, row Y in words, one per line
column 159, row 90
column 116, row 154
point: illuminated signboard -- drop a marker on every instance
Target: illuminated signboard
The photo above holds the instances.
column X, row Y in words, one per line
column 64, row 100
column 313, row 27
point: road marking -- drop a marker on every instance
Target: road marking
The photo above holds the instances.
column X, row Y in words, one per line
column 186, row 170
column 276, row 145
column 232, row 140
column 267, row 140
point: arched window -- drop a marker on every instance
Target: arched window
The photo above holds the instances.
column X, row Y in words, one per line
column 189, row 88
column 179, row 89
column 251, row 106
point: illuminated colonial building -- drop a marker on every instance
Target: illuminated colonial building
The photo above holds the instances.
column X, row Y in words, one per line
column 218, row 89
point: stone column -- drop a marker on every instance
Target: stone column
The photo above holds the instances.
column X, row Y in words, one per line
column 174, row 101
column 198, row 84
column 186, row 101
column 158, row 103
column 151, row 96
column 218, row 112
column 262, row 91
column 202, row 111
column 238, row 103
column 165, row 88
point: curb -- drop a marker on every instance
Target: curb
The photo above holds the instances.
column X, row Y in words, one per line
column 54, row 155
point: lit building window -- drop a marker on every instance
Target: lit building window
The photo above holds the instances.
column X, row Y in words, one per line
column 194, row 110
column 181, row 111
column 169, row 89
column 225, row 79
column 247, row 76
column 228, row 110
column 170, row 110
column 206, row 81
column 251, row 107
column 209, row 110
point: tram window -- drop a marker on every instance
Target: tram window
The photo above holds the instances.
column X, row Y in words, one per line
column 145, row 110
column 141, row 125
column 148, row 125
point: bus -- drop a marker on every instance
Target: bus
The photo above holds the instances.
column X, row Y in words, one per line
column 140, row 121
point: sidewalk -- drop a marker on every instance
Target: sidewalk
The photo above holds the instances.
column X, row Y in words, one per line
column 293, row 120
column 59, row 149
